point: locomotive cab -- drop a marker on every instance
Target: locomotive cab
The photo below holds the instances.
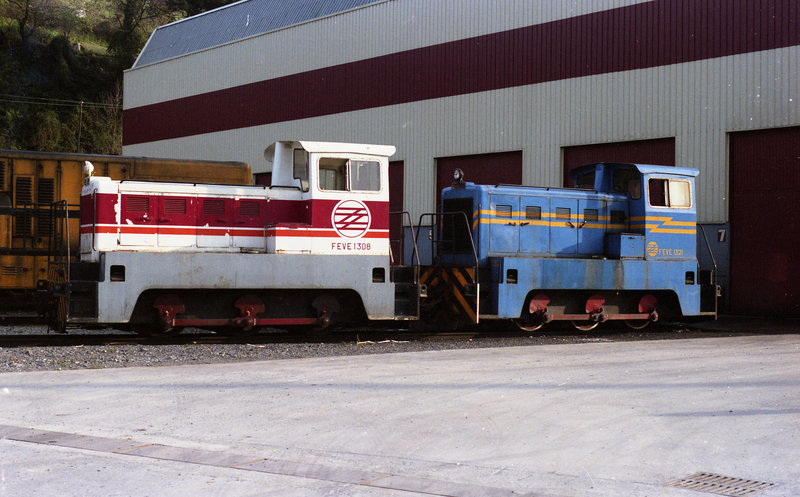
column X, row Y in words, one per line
column 339, row 188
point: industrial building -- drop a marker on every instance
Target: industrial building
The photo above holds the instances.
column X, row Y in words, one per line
column 510, row 91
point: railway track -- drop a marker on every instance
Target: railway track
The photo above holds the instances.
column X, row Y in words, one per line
column 33, row 349
column 108, row 337
column 38, row 336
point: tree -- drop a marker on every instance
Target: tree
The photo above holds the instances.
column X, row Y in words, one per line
column 134, row 20
column 25, row 12
column 194, row 7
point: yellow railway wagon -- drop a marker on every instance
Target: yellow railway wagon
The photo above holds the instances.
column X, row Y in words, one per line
column 39, row 210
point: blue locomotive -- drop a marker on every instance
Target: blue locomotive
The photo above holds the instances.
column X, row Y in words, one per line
column 621, row 245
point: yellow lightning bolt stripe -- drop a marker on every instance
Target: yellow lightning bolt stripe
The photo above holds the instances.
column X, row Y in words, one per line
column 651, row 223
column 665, row 225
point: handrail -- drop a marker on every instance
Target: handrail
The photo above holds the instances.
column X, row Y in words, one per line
column 460, row 214
column 708, row 247
column 413, row 239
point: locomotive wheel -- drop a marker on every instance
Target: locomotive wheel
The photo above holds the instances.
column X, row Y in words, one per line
column 637, row 324
column 529, row 324
column 585, row 325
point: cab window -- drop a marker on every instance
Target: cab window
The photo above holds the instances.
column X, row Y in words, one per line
column 628, row 181
column 300, row 168
column 365, row 175
column 585, row 181
column 673, row 193
column 349, row 175
column 333, row 174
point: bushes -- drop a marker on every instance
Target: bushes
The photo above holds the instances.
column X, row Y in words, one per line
column 43, row 81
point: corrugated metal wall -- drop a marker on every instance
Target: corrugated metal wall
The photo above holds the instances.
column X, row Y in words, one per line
column 696, row 102
column 659, row 151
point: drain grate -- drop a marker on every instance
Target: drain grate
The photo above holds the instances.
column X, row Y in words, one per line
column 721, row 485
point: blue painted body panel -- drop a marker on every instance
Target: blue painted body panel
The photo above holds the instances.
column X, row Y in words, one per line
column 635, row 231
column 598, row 275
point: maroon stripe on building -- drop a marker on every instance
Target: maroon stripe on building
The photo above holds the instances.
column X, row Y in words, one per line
column 657, row 33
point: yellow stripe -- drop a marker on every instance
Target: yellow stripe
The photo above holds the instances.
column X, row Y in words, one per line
column 465, row 305
column 674, row 231
column 655, row 224
column 459, row 277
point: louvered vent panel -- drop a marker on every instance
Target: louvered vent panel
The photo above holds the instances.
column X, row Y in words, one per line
column 46, row 193
column 248, row 208
column 174, row 205
column 12, row 270
column 45, row 196
column 22, row 223
column 214, row 207
column 137, row 204
column 23, row 194
column 23, row 197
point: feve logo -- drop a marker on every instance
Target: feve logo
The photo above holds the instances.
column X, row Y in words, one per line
column 652, row 249
column 351, row 218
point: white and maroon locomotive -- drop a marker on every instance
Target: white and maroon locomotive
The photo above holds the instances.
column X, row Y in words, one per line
column 310, row 249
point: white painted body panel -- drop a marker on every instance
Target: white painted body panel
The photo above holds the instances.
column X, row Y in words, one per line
column 221, row 271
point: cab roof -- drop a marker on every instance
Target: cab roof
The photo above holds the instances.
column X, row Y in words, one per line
column 642, row 168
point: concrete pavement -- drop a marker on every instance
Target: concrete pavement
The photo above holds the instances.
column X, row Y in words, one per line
column 597, row 419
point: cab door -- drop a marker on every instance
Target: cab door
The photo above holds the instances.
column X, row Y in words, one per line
column 215, row 218
column 534, row 232
column 504, row 237
column 138, row 218
column 591, row 227
column 175, row 223
column 563, row 226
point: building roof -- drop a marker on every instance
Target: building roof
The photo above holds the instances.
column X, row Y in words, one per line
column 237, row 21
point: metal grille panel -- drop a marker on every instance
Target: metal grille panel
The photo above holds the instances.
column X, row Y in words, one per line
column 12, row 270
column 721, row 485
column 45, row 196
column 24, row 191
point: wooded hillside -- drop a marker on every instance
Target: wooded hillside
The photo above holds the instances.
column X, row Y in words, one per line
column 61, row 65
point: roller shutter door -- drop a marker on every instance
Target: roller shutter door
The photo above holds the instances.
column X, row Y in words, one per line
column 660, row 151
column 765, row 222
column 490, row 169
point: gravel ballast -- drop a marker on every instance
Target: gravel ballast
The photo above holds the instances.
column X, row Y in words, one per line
column 257, row 348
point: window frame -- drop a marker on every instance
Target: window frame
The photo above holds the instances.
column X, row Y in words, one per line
column 350, row 162
column 303, row 178
column 667, row 200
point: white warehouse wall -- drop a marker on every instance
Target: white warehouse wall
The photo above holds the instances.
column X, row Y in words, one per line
column 698, row 102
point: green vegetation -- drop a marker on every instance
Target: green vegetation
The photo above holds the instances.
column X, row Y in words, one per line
column 61, row 65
